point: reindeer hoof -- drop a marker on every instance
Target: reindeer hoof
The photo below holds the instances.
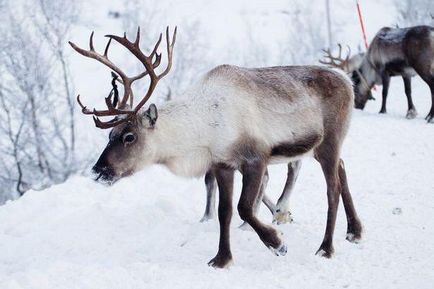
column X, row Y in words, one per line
column 353, row 238
column 325, row 251
column 221, row 261
column 411, row 113
column 206, row 218
column 279, row 251
column 281, row 217
column 354, row 232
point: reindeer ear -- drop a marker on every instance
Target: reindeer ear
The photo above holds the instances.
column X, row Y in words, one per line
column 149, row 117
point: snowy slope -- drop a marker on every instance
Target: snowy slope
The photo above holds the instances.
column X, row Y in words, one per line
column 144, row 232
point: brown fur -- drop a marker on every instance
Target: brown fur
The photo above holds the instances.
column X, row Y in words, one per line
column 298, row 148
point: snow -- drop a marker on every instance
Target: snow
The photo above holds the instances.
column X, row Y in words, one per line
column 144, row 232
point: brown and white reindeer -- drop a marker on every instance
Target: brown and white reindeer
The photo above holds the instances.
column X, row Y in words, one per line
column 234, row 118
column 404, row 52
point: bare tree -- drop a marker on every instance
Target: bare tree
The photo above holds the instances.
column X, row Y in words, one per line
column 53, row 21
column 13, row 130
column 37, row 140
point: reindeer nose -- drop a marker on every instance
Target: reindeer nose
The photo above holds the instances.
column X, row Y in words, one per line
column 103, row 174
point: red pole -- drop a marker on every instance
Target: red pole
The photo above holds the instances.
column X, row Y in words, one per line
column 361, row 24
column 359, row 12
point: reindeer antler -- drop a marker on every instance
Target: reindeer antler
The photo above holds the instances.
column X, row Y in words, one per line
column 336, row 61
column 150, row 63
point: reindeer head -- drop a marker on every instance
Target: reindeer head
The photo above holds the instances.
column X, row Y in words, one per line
column 363, row 84
column 127, row 149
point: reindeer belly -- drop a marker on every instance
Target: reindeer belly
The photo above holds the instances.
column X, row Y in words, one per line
column 289, row 151
column 400, row 67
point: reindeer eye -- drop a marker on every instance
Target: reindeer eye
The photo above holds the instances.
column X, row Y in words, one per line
column 128, row 138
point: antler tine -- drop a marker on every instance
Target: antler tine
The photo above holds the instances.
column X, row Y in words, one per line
column 340, row 51
column 107, row 47
column 84, row 109
column 349, row 53
column 137, row 42
column 154, row 51
column 169, row 47
column 91, row 42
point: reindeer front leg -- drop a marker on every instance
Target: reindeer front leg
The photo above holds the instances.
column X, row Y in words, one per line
column 253, row 172
column 262, row 197
column 385, row 78
column 225, row 181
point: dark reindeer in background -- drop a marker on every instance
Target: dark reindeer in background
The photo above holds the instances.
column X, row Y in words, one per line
column 234, row 118
column 404, row 52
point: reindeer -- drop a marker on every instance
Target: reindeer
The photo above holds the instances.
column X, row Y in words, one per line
column 404, row 52
column 280, row 211
column 234, row 118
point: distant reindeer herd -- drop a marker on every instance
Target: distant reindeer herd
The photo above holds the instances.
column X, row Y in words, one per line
column 243, row 119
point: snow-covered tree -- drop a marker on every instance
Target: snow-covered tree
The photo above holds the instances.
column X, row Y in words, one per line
column 36, row 106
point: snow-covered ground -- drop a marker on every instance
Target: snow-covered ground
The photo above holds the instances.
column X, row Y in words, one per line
column 144, row 232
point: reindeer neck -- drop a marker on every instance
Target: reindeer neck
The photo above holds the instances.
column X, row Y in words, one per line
column 179, row 131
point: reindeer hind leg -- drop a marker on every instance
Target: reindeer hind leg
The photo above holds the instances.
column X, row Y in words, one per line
column 430, row 117
column 327, row 155
column 411, row 112
column 354, row 226
column 211, row 188
column 282, row 215
column 225, row 180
